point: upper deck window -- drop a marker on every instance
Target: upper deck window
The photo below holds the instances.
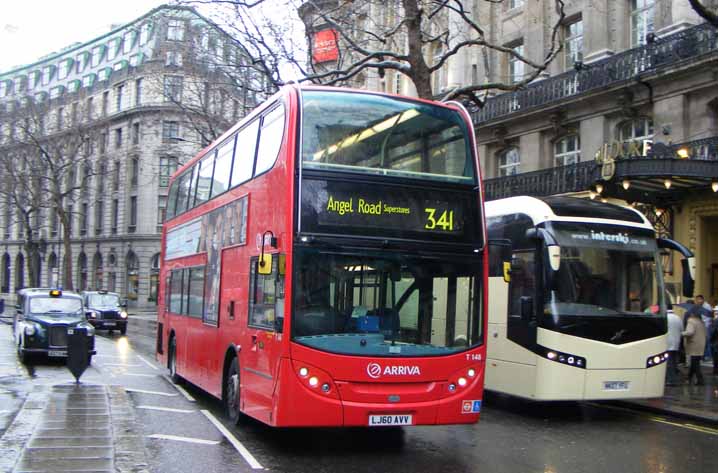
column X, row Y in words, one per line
column 372, row 134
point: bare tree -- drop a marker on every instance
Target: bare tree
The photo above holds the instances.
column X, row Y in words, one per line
column 48, row 166
column 708, row 10
column 416, row 38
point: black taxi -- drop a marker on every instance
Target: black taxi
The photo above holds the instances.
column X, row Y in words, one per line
column 105, row 310
column 42, row 319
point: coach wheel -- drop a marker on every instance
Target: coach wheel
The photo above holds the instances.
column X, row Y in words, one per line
column 172, row 362
column 231, row 393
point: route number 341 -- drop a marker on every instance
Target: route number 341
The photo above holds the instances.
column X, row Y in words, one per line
column 434, row 221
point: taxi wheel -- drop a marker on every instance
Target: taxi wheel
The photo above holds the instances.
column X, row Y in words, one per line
column 109, row 332
column 89, row 359
column 231, row 393
column 123, row 330
column 24, row 357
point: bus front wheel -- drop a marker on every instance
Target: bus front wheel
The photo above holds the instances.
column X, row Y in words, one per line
column 172, row 361
column 231, row 393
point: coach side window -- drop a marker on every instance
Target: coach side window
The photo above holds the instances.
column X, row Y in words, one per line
column 266, row 295
column 270, row 139
column 244, row 153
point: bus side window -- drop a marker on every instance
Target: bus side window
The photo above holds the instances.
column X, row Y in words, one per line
column 266, row 297
column 523, row 279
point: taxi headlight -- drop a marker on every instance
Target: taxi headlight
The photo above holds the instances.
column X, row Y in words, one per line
column 30, row 330
column 90, row 331
column 123, row 314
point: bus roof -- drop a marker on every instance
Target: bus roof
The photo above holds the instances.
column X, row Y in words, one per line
column 567, row 209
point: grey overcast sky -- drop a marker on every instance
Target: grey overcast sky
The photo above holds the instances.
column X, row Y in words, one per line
column 30, row 29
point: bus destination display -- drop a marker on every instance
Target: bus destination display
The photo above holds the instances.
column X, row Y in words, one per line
column 331, row 207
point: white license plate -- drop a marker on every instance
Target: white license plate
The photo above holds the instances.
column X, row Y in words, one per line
column 57, row 353
column 390, row 419
column 615, row 385
column 110, row 324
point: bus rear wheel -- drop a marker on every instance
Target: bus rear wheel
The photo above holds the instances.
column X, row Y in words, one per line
column 231, row 393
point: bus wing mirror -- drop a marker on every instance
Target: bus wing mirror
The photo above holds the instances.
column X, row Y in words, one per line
column 264, row 266
column 527, row 308
column 688, row 263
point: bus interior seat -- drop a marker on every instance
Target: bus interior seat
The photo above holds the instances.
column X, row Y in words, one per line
column 318, row 320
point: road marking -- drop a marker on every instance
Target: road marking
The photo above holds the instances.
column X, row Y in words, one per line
column 4, row 412
column 248, row 457
column 165, row 409
column 147, row 363
column 123, row 365
column 183, row 439
column 697, row 428
column 158, row 393
column 179, row 388
column 140, row 375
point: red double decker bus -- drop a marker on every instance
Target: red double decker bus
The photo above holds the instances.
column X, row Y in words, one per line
column 324, row 264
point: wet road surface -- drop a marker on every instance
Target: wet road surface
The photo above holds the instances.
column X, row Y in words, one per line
column 512, row 436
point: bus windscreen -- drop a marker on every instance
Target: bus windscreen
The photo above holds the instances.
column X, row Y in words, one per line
column 374, row 134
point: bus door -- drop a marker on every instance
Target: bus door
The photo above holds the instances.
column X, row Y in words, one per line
column 261, row 348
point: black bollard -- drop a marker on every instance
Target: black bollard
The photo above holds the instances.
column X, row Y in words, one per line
column 77, row 351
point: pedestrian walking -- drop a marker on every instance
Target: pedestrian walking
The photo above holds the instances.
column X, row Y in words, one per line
column 695, row 342
column 707, row 317
column 675, row 328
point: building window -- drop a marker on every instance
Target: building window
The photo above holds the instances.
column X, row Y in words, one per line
column 567, row 150
column 170, row 131
column 509, row 162
column 81, row 61
column 116, row 177
column 128, row 41
column 83, row 219
column 161, row 208
column 138, row 92
column 135, row 133
column 118, row 96
column 99, row 216
column 173, row 88
column 103, row 142
column 134, row 171
column 113, row 47
column 175, row 30
column 145, row 33
column 573, row 43
column 133, row 212
column 174, row 58
column 60, row 118
column 515, row 4
column 639, row 129
column 118, row 138
column 115, row 215
column 105, row 101
column 516, row 66
column 47, row 73
column 89, row 105
column 642, row 14
column 64, row 69
column 97, row 53
column 168, row 166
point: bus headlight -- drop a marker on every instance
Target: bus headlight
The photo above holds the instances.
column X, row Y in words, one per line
column 563, row 358
column 655, row 360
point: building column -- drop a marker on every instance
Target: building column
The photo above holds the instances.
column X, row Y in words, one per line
column 596, row 30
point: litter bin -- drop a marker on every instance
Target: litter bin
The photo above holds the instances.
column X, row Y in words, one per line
column 78, row 351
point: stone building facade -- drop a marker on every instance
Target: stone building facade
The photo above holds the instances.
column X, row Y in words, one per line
column 628, row 111
column 149, row 94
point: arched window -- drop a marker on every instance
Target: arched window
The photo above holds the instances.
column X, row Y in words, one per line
column 19, row 271
column 567, row 150
column 82, row 272
column 638, row 129
column 509, row 162
column 132, row 276
column 5, row 286
column 154, row 277
column 112, row 275
column 97, row 271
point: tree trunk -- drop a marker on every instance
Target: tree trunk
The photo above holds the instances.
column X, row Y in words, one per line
column 420, row 73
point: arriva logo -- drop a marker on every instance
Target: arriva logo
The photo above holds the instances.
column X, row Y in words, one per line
column 374, row 370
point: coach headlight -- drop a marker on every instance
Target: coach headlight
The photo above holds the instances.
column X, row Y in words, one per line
column 655, row 360
column 563, row 358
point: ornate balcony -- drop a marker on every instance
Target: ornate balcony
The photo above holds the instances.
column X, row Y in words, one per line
column 690, row 45
column 666, row 175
